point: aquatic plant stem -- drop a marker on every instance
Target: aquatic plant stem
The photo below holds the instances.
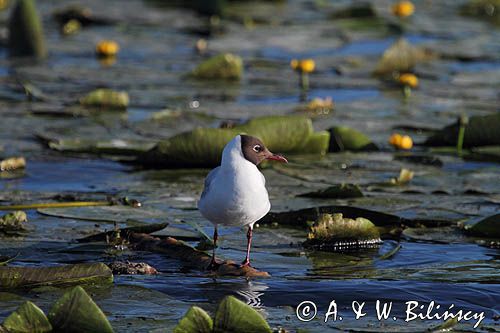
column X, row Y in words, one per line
column 463, row 121
column 56, row 205
column 407, row 91
column 304, row 81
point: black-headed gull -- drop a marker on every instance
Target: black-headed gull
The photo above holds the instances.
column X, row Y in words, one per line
column 235, row 192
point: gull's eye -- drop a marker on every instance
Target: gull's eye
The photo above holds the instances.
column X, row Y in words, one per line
column 257, row 148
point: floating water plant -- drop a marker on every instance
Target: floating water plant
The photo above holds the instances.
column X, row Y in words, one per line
column 106, row 98
column 13, row 221
column 303, row 67
column 226, row 66
column 333, row 232
column 26, row 38
column 28, row 318
column 232, row 315
column 320, row 106
column 405, row 176
column 346, row 138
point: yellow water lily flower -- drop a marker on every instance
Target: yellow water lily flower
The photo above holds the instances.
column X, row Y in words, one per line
column 107, row 48
column 408, row 79
column 401, row 141
column 303, row 65
column 403, row 8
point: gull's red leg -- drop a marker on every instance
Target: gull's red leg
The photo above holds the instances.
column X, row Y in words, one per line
column 213, row 263
column 246, row 262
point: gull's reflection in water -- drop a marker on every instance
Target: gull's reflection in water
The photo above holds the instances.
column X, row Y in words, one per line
column 249, row 292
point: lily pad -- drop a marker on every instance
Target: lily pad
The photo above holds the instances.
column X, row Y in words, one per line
column 400, row 57
column 13, row 221
column 203, row 147
column 224, row 66
column 480, row 131
column 333, row 232
column 233, row 315
column 336, row 191
column 28, row 318
column 25, row 31
column 106, row 98
column 124, row 233
column 30, row 277
column 484, row 9
column 484, row 227
column 345, row 138
column 196, row 320
column 76, row 312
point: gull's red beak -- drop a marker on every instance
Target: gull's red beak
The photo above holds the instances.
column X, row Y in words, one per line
column 276, row 157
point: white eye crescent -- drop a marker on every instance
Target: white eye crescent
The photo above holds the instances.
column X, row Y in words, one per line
column 257, row 148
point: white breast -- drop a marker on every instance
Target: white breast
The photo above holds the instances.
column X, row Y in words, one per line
column 235, row 193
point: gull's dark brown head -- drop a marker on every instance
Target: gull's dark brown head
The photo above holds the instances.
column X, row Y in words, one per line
column 255, row 151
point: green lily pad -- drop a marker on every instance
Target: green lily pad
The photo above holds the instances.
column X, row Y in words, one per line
column 196, row 320
column 317, row 143
column 334, row 232
column 30, row 277
column 25, row 31
column 480, row 131
column 28, row 318
column 400, row 57
column 224, row 66
column 233, row 315
column 76, row 312
column 106, row 98
column 345, row 138
column 484, row 227
column 203, row 147
column 336, row 191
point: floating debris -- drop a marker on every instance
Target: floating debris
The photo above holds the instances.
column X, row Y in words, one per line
column 12, row 163
column 132, row 268
column 333, row 232
column 71, row 27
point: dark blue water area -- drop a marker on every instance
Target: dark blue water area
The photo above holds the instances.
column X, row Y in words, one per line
column 468, row 166
column 288, row 292
column 473, row 66
column 71, row 174
column 338, row 95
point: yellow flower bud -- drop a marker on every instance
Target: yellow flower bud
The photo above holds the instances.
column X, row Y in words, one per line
column 408, row 79
column 303, row 65
column 403, row 8
column 107, row 48
column 401, row 141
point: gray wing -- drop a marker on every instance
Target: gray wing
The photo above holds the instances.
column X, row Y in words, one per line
column 208, row 181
